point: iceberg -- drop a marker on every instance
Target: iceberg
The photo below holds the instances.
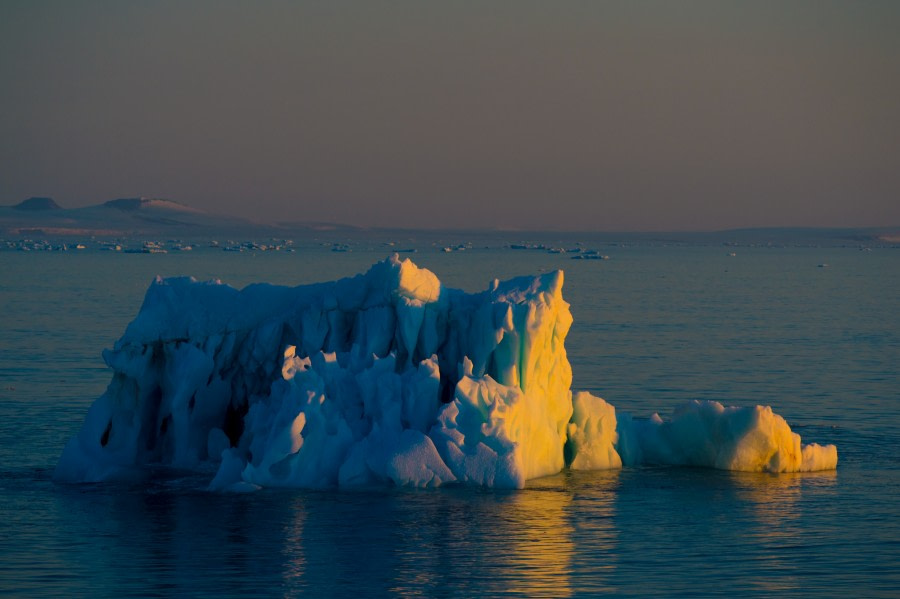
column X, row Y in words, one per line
column 708, row 434
column 385, row 378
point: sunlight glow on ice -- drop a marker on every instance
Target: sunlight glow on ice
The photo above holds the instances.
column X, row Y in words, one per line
column 384, row 378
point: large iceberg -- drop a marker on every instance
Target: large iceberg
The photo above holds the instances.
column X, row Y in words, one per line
column 383, row 378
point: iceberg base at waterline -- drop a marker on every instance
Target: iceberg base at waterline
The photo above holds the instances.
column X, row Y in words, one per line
column 384, row 378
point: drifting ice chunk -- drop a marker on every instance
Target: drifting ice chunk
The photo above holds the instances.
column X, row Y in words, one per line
column 382, row 378
column 705, row 433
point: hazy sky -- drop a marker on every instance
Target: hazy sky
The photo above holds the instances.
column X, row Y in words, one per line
column 564, row 115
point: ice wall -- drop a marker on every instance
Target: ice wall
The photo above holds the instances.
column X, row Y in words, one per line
column 382, row 378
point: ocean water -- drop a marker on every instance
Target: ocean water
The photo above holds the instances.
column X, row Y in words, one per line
column 655, row 325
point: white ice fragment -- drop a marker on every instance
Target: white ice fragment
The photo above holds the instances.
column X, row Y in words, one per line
column 592, row 434
column 416, row 283
column 818, row 457
column 706, row 433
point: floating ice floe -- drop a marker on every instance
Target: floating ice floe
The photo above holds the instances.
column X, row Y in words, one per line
column 383, row 378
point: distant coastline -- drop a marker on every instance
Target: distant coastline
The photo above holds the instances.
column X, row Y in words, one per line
column 159, row 217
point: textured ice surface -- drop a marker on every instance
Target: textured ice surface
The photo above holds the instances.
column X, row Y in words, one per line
column 383, row 378
column 706, row 433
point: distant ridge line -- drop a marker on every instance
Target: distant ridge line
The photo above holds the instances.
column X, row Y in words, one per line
column 132, row 204
column 37, row 204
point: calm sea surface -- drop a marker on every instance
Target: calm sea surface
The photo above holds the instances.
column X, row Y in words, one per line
column 654, row 326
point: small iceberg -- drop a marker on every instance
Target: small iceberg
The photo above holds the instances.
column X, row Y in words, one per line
column 385, row 378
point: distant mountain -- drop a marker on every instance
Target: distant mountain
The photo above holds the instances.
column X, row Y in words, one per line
column 149, row 217
column 37, row 205
column 120, row 217
column 134, row 204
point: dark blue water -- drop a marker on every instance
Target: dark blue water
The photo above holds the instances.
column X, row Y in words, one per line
column 654, row 326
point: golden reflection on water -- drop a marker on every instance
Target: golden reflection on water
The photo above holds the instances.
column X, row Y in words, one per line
column 530, row 547
column 526, row 549
column 541, row 547
column 548, row 542
column 775, row 521
column 596, row 535
column 775, row 498
column 294, row 557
